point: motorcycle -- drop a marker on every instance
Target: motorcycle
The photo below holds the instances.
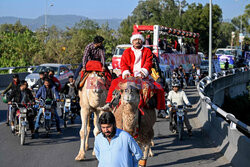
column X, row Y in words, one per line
column 178, row 115
column 21, row 122
column 70, row 110
column 47, row 118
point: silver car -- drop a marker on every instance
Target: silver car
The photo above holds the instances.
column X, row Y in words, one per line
column 62, row 72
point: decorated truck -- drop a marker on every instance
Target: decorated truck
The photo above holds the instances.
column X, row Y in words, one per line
column 168, row 61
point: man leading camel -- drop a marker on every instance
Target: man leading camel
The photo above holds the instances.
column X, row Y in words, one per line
column 136, row 61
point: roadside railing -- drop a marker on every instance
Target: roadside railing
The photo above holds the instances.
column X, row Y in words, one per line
column 228, row 116
column 10, row 69
column 29, row 68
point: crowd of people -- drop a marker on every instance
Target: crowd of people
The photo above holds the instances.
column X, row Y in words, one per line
column 173, row 46
column 113, row 147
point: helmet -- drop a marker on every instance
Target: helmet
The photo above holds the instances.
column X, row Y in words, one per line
column 15, row 76
column 176, row 83
column 4, row 99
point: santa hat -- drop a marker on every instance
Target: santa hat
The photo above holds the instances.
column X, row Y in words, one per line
column 136, row 35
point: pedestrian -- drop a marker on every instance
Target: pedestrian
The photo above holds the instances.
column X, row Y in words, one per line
column 115, row 147
column 148, row 40
column 226, row 64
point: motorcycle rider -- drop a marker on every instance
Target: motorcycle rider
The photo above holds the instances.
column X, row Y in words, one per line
column 179, row 97
column 40, row 81
column 69, row 89
column 181, row 76
column 21, row 95
column 192, row 72
column 53, row 80
column 48, row 91
column 12, row 86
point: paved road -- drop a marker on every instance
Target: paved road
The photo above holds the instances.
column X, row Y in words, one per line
column 60, row 150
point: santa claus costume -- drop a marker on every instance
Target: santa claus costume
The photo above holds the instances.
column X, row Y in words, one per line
column 134, row 62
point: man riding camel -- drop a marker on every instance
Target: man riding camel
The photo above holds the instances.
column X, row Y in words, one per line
column 93, row 51
column 136, row 61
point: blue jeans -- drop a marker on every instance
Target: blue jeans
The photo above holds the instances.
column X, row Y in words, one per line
column 39, row 115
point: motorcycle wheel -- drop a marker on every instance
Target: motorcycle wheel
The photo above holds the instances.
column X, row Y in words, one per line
column 22, row 135
column 47, row 125
column 65, row 119
column 73, row 119
column 180, row 129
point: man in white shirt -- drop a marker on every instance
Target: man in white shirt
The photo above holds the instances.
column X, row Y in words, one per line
column 179, row 97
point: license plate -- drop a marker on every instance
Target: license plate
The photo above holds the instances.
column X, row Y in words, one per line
column 67, row 104
column 47, row 115
column 23, row 115
column 24, row 123
column 48, row 106
column 180, row 114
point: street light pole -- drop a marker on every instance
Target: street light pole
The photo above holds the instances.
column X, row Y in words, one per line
column 45, row 16
column 210, row 40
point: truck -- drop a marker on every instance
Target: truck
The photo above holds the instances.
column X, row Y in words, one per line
column 168, row 61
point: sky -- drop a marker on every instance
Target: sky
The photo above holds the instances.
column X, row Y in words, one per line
column 98, row 9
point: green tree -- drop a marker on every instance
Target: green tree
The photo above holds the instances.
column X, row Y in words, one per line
column 225, row 36
column 196, row 19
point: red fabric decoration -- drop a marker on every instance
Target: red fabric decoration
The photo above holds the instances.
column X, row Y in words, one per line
column 93, row 65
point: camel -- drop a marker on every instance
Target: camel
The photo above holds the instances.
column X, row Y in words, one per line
column 127, row 116
column 92, row 95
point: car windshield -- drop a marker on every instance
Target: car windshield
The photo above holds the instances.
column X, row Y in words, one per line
column 119, row 51
column 46, row 68
column 225, row 52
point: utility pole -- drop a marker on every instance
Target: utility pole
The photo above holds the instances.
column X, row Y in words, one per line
column 45, row 16
column 210, row 41
column 180, row 7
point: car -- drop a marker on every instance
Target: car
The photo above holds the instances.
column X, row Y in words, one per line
column 202, row 55
column 62, row 72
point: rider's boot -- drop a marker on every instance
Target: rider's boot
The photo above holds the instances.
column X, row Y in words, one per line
column 171, row 127
column 32, row 134
column 190, row 132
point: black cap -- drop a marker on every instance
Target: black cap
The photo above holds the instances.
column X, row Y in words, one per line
column 71, row 76
column 98, row 39
column 15, row 76
column 41, row 72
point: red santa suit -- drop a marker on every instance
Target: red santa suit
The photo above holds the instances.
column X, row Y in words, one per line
column 134, row 62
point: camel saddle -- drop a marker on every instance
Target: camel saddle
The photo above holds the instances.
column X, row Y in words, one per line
column 93, row 65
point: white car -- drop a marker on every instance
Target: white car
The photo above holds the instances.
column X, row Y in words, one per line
column 62, row 72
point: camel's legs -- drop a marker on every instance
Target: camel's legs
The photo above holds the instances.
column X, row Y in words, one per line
column 96, row 129
column 88, row 130
column 83, row 134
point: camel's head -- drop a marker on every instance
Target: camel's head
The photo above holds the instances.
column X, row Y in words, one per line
column 96, row 89
column 130, row 93
column 130, row 98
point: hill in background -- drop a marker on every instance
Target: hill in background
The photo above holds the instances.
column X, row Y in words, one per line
column 60, row 21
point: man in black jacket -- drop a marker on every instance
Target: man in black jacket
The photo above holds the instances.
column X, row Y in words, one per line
column 39, row 82
column 69, row 88
column 11, row 87
column 21, row 96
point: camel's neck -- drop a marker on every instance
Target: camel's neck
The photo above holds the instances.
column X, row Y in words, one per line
column 130, row 118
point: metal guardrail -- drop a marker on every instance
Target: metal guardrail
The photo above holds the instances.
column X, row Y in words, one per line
column 10, row 69
column 228, row 116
